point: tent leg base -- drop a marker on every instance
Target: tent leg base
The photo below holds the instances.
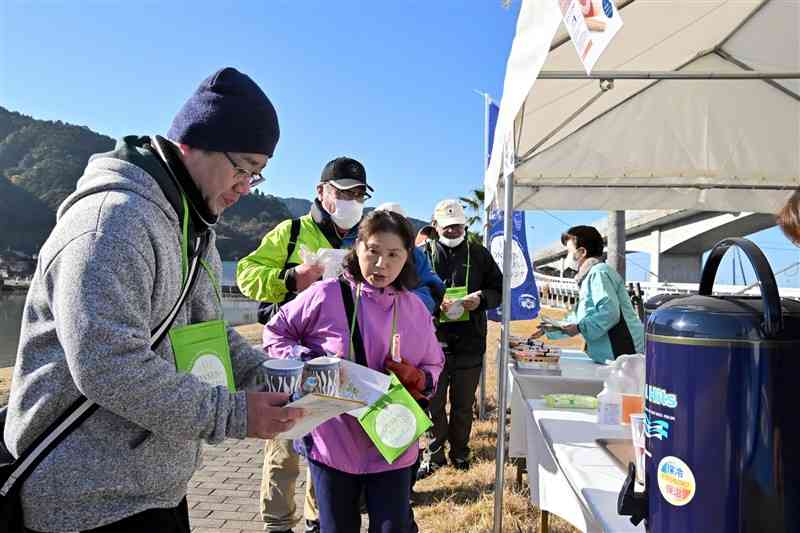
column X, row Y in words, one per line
column 544, row 521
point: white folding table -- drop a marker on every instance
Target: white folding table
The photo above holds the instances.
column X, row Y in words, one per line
column 569, row 474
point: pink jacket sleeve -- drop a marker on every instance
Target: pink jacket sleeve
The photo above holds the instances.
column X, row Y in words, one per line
column 288, row 327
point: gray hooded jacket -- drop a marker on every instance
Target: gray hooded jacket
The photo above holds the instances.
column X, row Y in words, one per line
column 108, row 274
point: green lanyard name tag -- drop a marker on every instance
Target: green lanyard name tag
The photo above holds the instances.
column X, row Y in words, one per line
column 202, row 350
column 395, row 421
column 456, row 294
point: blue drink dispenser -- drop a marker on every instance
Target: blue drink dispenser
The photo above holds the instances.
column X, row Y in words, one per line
column 722, row 383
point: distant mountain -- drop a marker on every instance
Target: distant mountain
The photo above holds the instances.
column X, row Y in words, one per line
column 41, row 161
column 297, row 206
column 25, row 220
column 46, row 158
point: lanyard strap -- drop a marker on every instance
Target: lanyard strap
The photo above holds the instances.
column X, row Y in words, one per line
column 214, row 281
column 185, row 238
column 352, row 350
column 433, row 259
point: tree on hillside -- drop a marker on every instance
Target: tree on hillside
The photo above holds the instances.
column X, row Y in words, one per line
column 41, row 161
column 474, row 203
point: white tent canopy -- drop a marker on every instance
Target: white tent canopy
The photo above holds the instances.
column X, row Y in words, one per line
column 715, row 145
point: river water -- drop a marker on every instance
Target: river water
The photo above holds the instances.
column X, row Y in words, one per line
column 12, row 303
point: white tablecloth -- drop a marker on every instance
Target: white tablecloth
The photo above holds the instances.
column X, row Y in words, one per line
column 579, row 375
column 569, row 474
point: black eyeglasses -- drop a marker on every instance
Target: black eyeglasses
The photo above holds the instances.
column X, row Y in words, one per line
column 253, row 178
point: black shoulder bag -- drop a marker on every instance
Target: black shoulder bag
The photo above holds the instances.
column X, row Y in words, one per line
column 13, row 472
column 350, row 309
column 267, row 310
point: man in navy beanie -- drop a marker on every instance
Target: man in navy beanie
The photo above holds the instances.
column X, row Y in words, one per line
column 124, row 311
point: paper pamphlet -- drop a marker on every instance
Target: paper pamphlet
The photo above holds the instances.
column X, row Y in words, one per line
column 547, row 321
column 318, row 409
column 591, row 25
column 360, row 383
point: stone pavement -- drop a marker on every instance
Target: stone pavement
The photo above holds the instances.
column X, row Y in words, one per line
column 223, row 494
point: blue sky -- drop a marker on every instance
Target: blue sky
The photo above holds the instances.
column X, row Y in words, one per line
column 389, row 83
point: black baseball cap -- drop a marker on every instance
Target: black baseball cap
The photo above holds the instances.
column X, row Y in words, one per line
column 345, row 173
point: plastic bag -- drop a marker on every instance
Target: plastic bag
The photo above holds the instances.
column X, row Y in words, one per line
column 331, row 259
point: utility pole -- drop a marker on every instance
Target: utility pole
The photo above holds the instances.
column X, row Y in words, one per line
column 616, row 241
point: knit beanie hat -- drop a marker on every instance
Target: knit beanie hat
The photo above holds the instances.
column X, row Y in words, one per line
column 227, row 113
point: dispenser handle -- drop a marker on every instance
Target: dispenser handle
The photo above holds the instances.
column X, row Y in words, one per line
column 773, row 315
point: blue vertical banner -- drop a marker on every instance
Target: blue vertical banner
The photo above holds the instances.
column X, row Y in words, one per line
column 524, row 294
column 492, row 112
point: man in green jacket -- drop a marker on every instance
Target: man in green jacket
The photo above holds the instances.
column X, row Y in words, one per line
column 274, row 274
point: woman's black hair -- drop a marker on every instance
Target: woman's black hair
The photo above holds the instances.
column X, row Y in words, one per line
column 586, row 237
column 381, row 221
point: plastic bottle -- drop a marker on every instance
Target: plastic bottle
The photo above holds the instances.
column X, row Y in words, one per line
column 609, row 406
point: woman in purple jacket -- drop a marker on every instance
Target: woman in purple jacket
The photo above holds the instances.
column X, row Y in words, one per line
column 380, row 271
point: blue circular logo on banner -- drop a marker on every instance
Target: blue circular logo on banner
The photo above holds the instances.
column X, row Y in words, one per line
column 608, row 8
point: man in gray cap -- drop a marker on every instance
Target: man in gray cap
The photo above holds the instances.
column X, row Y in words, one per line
column 134, row 238
column 475, row 284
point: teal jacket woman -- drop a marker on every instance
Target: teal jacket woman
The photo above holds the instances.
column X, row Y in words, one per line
column 604, row 314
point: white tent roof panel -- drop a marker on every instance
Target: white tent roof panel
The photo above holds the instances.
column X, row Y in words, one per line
column 659, row 140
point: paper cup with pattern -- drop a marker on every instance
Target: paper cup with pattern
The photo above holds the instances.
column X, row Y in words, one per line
column 326, row 370
column 282, row 375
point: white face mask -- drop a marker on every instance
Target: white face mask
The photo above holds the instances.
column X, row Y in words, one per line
column 451, row 243
column 572, row 261
column 348, row 213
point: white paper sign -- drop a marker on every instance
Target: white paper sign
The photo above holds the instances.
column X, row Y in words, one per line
column 591, row 25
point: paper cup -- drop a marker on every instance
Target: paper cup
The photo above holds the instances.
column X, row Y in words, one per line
column 326, row 370
column 282, row 375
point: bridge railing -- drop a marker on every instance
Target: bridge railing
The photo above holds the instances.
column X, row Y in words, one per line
column 563, row 292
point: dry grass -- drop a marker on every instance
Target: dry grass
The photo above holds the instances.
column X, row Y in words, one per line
column 452, row 500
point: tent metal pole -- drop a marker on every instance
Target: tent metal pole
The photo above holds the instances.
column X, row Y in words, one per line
column 664, row 75
column 482, row 404
column 502, row 373
column 482, row 397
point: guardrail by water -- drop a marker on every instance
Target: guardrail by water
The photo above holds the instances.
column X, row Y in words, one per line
column 563, row 292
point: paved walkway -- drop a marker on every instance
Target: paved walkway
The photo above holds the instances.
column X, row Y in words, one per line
column 223, row 494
